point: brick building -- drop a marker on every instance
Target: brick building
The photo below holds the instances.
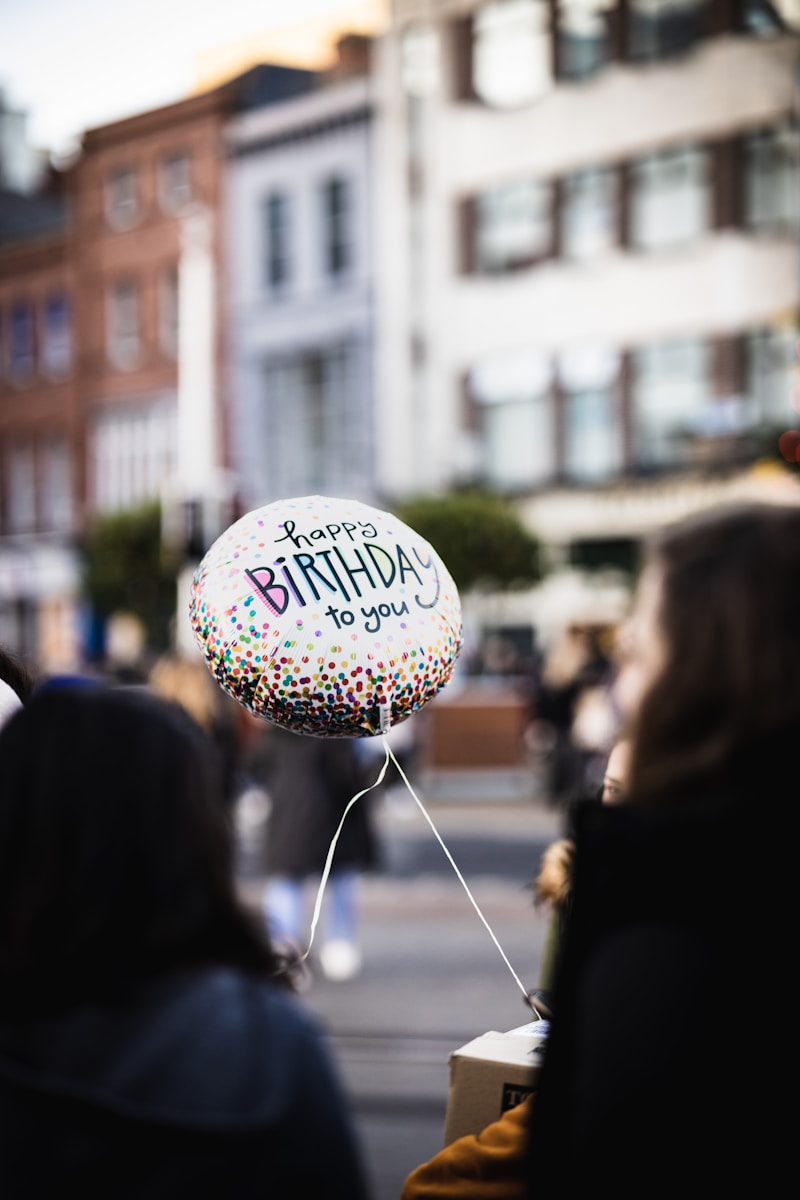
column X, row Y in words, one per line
column 98, row 373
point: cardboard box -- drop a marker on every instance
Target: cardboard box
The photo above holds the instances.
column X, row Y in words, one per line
column 491, row 1074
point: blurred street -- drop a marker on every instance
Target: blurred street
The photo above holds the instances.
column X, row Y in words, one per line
column 433, row 977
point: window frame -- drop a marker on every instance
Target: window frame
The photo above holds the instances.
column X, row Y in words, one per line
column 122, row 211
column 169, row 192
column 123, row 345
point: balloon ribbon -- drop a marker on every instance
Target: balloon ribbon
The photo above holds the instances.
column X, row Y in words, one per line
column 331, row 850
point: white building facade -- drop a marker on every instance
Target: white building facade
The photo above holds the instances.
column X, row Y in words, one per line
column 588, row 218
column 299, row 296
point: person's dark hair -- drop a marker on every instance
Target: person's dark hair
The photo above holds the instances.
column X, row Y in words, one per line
column 16, row 674
column 116, row 852
column 728, row 611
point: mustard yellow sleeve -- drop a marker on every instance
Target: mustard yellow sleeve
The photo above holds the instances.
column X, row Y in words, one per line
column 485, row 1166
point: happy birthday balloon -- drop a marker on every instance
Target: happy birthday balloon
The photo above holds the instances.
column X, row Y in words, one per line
column 326, row 616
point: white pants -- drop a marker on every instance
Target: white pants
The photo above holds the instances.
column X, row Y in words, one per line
column 288, row 907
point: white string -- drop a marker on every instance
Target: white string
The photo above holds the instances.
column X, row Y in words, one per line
column 331, row 850
column 327, row 869
column 473, row 901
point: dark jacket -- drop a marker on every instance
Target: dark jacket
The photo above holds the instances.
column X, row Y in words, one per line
column 209, row 1085
column 310, row 781
column 671, row 1028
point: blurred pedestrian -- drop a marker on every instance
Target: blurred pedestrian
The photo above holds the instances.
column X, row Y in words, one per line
column 189, row 683
column 660, row 1068
column 309, row 782
column 573, row 715
column 150, row 1045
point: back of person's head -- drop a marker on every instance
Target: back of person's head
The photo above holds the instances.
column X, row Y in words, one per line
column 16, row 675
column 723, row 591
column 116, row 855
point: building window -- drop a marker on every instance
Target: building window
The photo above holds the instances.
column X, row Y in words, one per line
column 771, row 374
column 337, row 227
column 124, row 338
column 316, row 422
column 21, row 488
column 670, row 197
column 671, row 394
column 511, row 59
column 420, row 68
column 661, row 29
column 589, row 377
column 772, row 180
column 57, row 336
column 56, row 486
column 22, row 342
column 584, row 45
column 515, row 402
column 589, row 213
column 168, row 312
column 175, row 181
column 513, row 226
column 122, row 198
column 277, row 236
column 133, row 456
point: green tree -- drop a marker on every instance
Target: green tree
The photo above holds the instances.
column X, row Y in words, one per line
column 479, row 537
column 125, row 569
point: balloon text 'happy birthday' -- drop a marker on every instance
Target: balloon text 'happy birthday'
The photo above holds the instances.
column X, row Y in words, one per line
column 311, row 574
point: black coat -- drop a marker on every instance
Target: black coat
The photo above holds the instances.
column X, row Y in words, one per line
column 205, row 1086
column 672, row 1031
column 310, row 781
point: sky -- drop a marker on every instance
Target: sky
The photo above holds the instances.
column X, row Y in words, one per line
column 75, row 64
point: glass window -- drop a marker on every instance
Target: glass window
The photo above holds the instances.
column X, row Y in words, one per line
column 772, row 179
column 513, row 226
column 168, row 312
column 670, row 197
column 316, row 422
column 336, row 222
column 662, row 28
column 122, row 198
column 514, row 395
column 133, row 456
column 277, row 235
column 593, row 432
column 175, row 181
column 419, row 61
column 583, row 37
column 21, row 489
column 589, row 213
column 124, row 339
column 771, row 373
column 671, row 401
column 57, row 339
column 56, row 489
column 511, row 60
column 22, row 342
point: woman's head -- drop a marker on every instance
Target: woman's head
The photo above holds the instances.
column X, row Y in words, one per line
column 715, row 653
column 116, row 858
column 615, row 776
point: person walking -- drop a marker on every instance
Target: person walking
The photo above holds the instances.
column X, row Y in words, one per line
column 309, row 783
column 150, row 1043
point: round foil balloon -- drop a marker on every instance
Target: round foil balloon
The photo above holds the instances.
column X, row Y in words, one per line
column 326, row 616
